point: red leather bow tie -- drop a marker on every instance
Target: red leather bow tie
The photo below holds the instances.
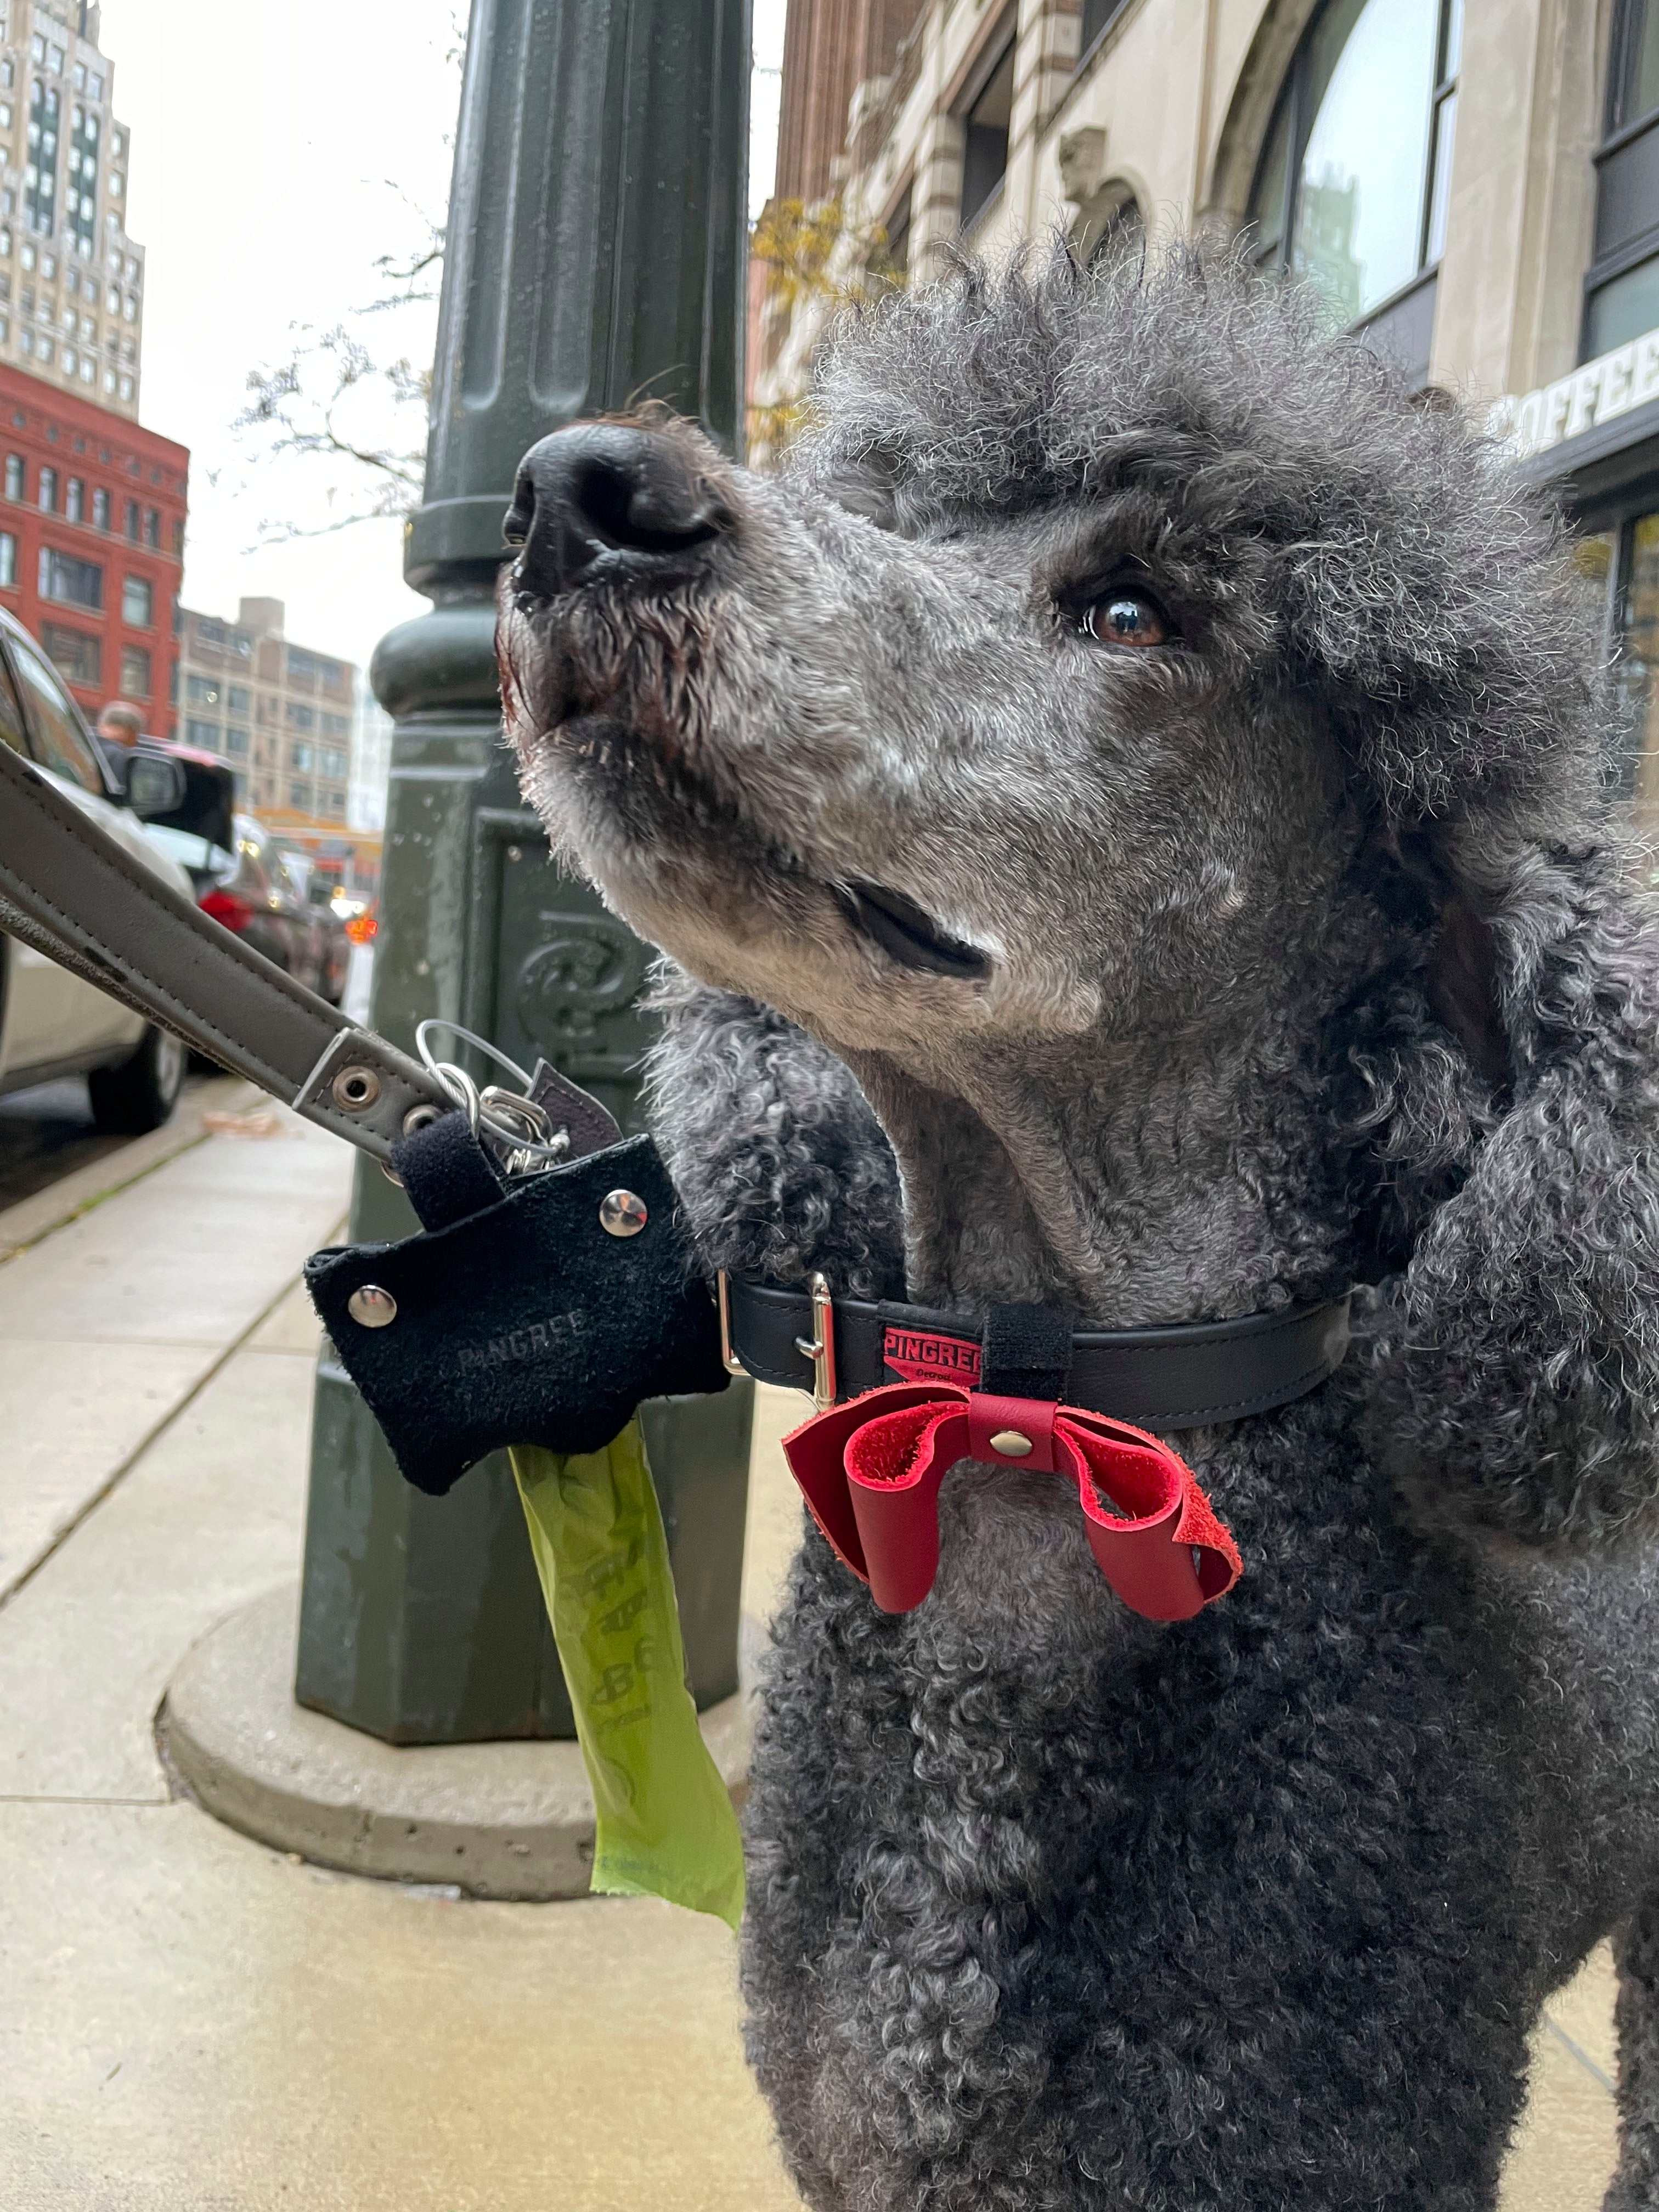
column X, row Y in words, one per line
column 870, row 1472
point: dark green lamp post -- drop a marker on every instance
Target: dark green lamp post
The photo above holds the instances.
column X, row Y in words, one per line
column 596, row 252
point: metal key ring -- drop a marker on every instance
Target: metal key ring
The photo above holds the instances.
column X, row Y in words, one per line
column 461, row 1088
column 478, row 1045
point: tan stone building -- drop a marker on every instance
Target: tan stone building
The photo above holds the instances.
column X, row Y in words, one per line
column 1474, row 184
column 282, row 716
column 71, row 281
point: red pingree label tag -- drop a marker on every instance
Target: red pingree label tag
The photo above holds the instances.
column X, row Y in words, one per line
column 921, row 1357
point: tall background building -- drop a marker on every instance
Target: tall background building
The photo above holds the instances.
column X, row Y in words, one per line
column 1473, row 184
column 71, row 281
column 284, row 718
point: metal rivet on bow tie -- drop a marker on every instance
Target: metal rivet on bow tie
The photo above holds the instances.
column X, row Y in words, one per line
column 622, row 1214
column 1010, row 1443
column 371, row 1306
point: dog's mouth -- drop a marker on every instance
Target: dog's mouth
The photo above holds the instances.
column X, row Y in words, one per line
column 906, row 934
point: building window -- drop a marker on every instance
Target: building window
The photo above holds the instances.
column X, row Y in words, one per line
column 74, row 583
column 985, row 127
column 8, row 559
column 1097, row 18
column 153, row 528
column 14, row 475
column 299, row 794
column 299, row 717
column 240, row 700
column 135, row 672
column 236, row 741
column 48, row 491
column 77, row 656
column 40, row 177
column 74, row 500
column 203, row 691
column 100, row 509
column 138, row 602
column 1622, row 560
column 1621, row 292
column 205, row 734
column 1359, row 207
column 132, row 520
column 126, row 387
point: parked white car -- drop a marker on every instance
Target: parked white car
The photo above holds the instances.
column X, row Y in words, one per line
column 51, row 1024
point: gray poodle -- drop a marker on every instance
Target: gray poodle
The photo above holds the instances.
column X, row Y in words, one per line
column 1131, row 793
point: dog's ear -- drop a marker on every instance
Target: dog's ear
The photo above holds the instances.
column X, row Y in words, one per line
column 1514, row 1381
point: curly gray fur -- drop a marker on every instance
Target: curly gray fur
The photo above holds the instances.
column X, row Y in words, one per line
column 812, row 1182
column 1314, row 951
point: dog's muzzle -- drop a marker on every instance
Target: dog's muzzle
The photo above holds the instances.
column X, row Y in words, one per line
column 609, row 501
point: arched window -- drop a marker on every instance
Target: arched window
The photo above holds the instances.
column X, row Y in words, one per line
column 1351, row 186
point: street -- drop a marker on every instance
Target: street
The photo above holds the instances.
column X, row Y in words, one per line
column 47, row 1134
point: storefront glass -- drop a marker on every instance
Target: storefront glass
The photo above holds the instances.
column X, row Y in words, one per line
column 1636, row 665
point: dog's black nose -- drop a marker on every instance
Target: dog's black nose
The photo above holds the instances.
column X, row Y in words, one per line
column 608, row 496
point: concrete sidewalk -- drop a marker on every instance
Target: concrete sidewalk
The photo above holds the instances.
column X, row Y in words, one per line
column 191, row 2022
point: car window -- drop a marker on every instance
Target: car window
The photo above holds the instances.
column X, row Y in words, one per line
column 11, row 713
column 60, row 743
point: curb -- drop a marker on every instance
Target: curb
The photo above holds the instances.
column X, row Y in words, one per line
column 503, row 1820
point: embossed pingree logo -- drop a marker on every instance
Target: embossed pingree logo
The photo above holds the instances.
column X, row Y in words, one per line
column 921, row 1357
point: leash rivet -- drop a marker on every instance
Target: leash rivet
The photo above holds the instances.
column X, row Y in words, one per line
column 371, row 1306
column 1010, row 1443
column 421, row 1117
column 622, row 1214
column 355, row 1089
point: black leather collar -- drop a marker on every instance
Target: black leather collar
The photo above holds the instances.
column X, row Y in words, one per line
column 1178, row 1377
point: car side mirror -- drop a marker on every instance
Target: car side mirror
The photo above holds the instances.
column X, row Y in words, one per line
column 154, row 786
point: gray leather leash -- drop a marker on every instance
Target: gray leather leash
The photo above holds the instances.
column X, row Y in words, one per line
column 72, row 892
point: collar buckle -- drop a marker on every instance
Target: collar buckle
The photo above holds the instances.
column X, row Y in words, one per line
column 821, row 1348
column 729, row 1360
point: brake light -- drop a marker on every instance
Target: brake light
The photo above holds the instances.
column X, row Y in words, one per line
column 362, row 929
column 225, row 907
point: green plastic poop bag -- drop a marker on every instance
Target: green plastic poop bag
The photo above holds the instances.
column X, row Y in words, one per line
column 665, row 1823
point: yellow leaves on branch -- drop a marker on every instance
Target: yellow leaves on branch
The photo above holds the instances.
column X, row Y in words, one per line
column 814, row 259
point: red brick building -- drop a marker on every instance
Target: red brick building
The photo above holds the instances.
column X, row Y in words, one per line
column 92, row 542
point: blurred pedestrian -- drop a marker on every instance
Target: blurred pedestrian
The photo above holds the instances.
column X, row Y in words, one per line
column 121, row 726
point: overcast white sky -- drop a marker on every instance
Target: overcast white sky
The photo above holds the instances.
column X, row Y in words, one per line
column 277, row 153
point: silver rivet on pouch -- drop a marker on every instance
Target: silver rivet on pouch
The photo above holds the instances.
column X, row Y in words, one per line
column 371, row 1306
column 1010, row 1443
column 622, row 1214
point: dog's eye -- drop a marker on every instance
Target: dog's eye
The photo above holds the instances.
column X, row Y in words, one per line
column 1126, row 618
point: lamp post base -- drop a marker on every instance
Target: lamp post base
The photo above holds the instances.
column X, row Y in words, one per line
column 500, row 1819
